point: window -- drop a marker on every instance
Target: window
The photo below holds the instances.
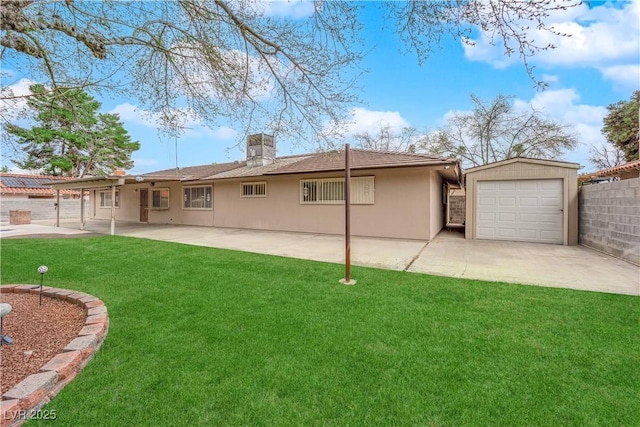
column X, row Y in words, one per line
column 330, row 191
column 200, row 197
column 105, row 199
column 160, row 198
column 253, row 189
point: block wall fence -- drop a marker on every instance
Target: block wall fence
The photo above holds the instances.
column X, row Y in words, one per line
column 42, row 209
column 609, row 218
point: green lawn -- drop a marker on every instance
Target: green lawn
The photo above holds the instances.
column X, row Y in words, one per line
column 200, row 336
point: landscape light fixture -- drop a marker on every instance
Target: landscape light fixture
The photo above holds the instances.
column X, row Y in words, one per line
column 4, row 310
column 42, row 269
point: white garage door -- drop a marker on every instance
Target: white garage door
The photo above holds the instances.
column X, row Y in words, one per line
column 523, row 210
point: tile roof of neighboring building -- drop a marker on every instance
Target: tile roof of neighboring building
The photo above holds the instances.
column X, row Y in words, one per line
column 614, row 171
column 195, row 172
column 16, row 183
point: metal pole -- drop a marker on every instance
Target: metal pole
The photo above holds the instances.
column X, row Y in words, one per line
column 347, row 212
column 347, row 217
column 82, row 209
column 113, row 210
column 57, row 207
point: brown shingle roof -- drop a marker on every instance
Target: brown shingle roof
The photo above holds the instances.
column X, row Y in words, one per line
column 303, row 163
column 249, row 171
column 195, row 172
column 360, row 159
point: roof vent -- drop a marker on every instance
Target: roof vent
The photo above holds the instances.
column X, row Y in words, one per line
column 261, row 150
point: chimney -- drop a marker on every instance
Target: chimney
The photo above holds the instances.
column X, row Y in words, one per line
column 261, row 150
column 119, row 172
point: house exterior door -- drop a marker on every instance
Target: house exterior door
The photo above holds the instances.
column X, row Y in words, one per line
column 144, row 205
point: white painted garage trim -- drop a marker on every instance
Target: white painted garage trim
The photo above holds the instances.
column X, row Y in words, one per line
column 525, row 210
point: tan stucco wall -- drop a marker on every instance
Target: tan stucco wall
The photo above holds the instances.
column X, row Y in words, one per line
column 129, row 204
column 408, row 204
column 526, row 170
column 401, row 208
column 437, row 213
column 129, row 209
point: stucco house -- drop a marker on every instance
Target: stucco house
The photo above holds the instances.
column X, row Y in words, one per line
column 395, row 195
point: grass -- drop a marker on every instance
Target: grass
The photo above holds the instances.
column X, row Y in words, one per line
column 201, row 336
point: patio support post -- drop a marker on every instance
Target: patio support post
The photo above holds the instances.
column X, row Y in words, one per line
column 57, row 207
column 82, row 209
column 113, row 210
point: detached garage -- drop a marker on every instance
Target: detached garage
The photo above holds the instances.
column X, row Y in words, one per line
column 523, row 200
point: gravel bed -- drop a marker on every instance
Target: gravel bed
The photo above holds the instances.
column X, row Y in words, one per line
column 39, row 333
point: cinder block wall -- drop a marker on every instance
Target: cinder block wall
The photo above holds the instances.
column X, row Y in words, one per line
column 457, row 209
column 42, row 209
column 610, row 218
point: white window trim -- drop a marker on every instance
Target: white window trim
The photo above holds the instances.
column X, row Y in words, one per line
column 253, row 184
column 153, row 208
column 100, row 192
column 354, row 196
column 197, row 186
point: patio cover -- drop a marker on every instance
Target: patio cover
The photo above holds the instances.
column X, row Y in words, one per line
column 88, row 183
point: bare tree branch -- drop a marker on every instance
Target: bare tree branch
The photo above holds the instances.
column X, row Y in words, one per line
column 496, row 131
column 215, row 59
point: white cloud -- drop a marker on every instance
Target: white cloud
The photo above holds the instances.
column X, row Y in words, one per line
column 549, row 78
column 563, row 105
column 605, row 37
column 627, row 76
column 15, row 169
column 145, row 162
column 192, row 127
column 287, row 8
column 222, row 132
column 235, row 74
column 14, row 104
column 20, row 88
column 362, row 120
column 483, row 49
column 133, row 115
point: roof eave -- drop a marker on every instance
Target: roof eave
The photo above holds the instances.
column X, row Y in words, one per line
column 555, row 163
column 368, row 167
column 86, row 183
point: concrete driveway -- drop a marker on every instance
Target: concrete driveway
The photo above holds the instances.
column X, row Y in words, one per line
column 574, row 267
column 449, row 254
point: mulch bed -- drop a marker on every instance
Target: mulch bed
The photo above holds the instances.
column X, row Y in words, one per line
column 39, row 333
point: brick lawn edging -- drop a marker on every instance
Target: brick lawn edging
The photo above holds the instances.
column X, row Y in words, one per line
column 37, row 390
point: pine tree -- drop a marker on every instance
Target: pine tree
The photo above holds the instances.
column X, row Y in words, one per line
column 621, row 126
column 70, row 137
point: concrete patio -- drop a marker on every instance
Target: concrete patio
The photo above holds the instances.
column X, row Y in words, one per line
column 449, row 254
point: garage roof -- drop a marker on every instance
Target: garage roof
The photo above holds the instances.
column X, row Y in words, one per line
column 544, row 162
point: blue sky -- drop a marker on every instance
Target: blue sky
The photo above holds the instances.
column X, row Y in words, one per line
column 597, row 66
